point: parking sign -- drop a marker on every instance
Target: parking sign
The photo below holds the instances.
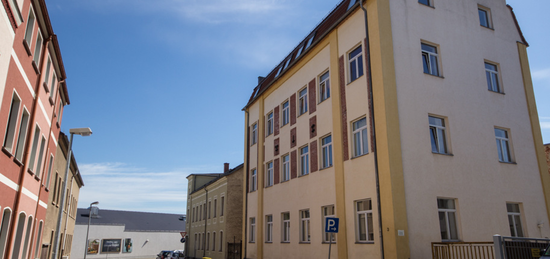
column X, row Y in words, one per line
column 331, row 225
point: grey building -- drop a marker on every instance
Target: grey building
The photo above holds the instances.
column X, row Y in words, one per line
column 126, row 234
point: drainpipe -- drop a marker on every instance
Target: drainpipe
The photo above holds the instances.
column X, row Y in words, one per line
column 205, row 224
column 373, row 129
column 243, row 255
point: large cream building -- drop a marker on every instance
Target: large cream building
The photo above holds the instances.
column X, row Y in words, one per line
column 445, row 148
column 214, row 214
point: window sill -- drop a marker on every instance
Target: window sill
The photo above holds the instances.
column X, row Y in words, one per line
column 327, row 242
column 8, row 153
column 37, row 178
column 431, row 6
column 51, row 100
column 27, row 48
column 325, row 168
column 30, row 171
column 46, row 88
column 18, row 162
column 35, row 66
column 323, row 100
column 359, row 156
column 509, row 163
column 285, row 242
column 268, row 242
column 443, row 154
column 349, row 83
column 364, row 242
column 302, row 242
column 496, row 92
column 57, row 124
column 437, row 76
column 303, row 175
column 490, row 28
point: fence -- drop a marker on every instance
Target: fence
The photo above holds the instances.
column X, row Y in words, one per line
column 463, row 250
column 519, row 247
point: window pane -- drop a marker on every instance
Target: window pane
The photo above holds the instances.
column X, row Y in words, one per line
column 353, row 69
column 519, row 230
column 452, row 225
column 362, row 227
column 483, row 18
column 443, row 226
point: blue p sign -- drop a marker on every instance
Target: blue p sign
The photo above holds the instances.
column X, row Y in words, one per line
column 331, row 225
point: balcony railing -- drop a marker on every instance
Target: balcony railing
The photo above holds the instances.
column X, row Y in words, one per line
column 463, row 250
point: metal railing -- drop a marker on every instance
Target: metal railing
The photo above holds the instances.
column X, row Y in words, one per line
column 463, row 250
column 519, row 247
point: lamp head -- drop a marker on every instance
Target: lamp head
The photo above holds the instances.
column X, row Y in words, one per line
column 94, row 203
column 81, row 131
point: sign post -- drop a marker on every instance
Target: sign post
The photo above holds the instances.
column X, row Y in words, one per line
column 331, row 226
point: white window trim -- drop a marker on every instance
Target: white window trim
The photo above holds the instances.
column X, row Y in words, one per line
column 355, row 60
column 326, row 153
column 366, row 214
column 360, row 134
column 269, row 124
column 285, row 227
column 431, row 55
column 252, row 236
column 268, row 229
column 488, row 16
column 302, row 101
column 285, row 113
column 514, row 224
column 439, row 130
column 504, row 146
column 447, row 224
column 304, row 159
column 326, row 236
column 305, row 224
column 324, row 86
column 254, row 134
column 285, row 168
column 269, row 174
column 493, row 76
column 253, row 180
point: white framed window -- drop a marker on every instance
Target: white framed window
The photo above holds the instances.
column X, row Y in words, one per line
column 38, row 238
column 484, row 17
column 503, row 145
column 12, row 123
column 34, row 148
column 285, row 114
column 30, row 27
column 23, row 128
column 222, row 205
column 221, row 241
column 324, row 86
column 326, row 151
column 215, row 207
column 304, row 160
column 269, row 174
column 209, row 209
column 302, row 101
column 53, row 85
column 360, row 137
column 355, row 60
column 253, row 180
column 49, row 172
column 285, row 232
column 37, row 49
column 17, row 12
column 254, row 134
column 514, row 219
column 437, row 135
column 269, row 228
column 286, row 168
column 364, row 228
column 491, row 73
column 328, row 212
column 299, row 52
column 447, row 219
column 5, row 225
column 213, row 241
column 40, row 156
column 252, row 236
column 430, row 59
column 207, row 241
column 269, row 124
column 426, row 2
column 305, row 236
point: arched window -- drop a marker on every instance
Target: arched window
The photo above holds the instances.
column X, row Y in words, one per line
column 27, row 238
column 4, row 227
column 19, row 235
column 38, row 240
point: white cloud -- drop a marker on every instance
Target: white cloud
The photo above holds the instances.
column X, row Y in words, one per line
column 541, row 74
column 122, row 187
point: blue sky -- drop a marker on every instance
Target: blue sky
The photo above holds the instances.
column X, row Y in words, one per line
column 162, row 84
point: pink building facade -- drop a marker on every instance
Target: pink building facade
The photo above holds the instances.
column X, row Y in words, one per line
column 33, row 96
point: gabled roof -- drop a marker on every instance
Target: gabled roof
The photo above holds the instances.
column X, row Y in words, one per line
column 134, row 221
column 340, row 12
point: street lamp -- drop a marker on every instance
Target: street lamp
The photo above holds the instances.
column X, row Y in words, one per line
column 78, row 131
column 88, row 230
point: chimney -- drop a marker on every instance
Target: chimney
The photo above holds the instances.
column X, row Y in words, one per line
column 260, row 79
column 225, row 167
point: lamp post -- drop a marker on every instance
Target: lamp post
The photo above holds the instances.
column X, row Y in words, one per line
column 88, row 230
column 78, row 131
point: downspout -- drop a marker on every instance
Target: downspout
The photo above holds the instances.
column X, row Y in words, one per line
column 205, row 224
column 243, row 255
column 373, row 129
